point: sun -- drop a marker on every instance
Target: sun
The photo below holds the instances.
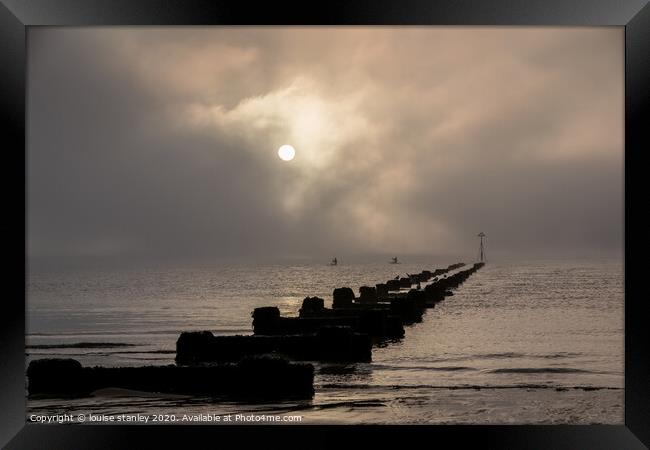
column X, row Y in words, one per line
column 286, row 152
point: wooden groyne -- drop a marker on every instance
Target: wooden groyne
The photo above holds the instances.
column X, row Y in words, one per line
column 376, row 321
column 281, row 378
column 258, row 367
column 326, row 344
column 345, row 332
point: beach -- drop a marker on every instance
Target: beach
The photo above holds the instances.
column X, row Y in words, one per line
column 519, row 342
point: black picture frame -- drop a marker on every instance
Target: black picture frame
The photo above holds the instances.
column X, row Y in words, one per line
column 16, row 15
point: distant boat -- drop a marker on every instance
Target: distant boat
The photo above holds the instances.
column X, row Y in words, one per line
column 334, row 262
column 394, row 260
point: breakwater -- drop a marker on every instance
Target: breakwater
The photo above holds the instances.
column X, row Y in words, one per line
column 241, row 380
column 345, row 332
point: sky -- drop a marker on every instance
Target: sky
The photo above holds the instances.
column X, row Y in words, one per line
column 160, row 144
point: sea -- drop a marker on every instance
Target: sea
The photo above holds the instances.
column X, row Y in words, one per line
column 520, row 342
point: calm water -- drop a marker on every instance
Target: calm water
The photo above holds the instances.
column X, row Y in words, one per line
column 531, row 342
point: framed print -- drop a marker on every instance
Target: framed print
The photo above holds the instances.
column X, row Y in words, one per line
column 293, row 224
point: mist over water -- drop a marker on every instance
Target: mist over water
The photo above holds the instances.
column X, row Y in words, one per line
column 519, row 342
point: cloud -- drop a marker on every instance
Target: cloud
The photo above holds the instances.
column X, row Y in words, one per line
column 161, row 143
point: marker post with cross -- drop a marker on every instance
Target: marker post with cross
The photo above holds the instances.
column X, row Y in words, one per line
column 481, row 252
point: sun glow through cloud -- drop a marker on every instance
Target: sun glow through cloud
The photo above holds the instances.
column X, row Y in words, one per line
column 286, row 152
